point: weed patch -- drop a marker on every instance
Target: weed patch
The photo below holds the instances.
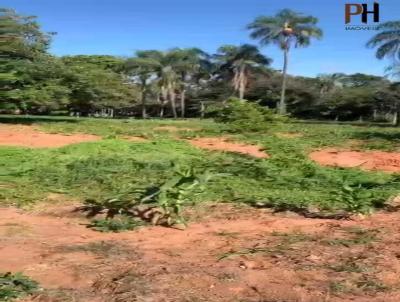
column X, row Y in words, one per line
column 115, row 224
column 13, row 286
column 358, row 236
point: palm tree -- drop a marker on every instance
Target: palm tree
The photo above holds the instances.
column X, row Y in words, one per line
column 286, row 29
column 239, row 62
column 187, row 63
column 142, row 69
column 329, row 82
column 387, row 41
column 393, row 71
column 158, row 65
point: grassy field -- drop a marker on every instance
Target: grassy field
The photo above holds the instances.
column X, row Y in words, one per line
column 115, row 167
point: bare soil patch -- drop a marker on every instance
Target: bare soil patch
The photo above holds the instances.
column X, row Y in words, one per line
column 367, row 160
column 222, row 144
column 234, row 254
column 29, row 136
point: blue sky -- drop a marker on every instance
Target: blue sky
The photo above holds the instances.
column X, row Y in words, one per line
column 120, row 27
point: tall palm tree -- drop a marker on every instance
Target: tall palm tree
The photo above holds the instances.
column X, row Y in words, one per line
column 187, row 63
column 158, row 65
column 240, row 61
column 286, row 29
column 142, row 68
column 387, row 41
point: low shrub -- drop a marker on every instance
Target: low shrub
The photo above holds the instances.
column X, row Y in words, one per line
column 13, row 286
column 244, row 116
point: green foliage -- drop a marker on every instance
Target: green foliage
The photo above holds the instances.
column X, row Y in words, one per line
column 188, row 79
column 116, row 224
column 169, row 196
column 13, row 286
column 115, row 170
column 172, row 195
column 243, row 116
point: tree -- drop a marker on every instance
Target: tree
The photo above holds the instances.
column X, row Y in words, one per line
column 21, row 40
column 96, row 86
column 20, row 36
column 159, row 65
column 329, row 82
column 39, row 85
column 387, row 41
column 188, row 64
column 286, row 29
column 143, row 69
column 239, row 62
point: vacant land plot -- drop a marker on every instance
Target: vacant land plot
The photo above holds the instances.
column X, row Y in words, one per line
column 28, row 136
column 247, row 238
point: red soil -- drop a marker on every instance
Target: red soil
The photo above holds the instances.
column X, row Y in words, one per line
column 221, row 144
column 370, row 160
column 162, row 264
column 28, row 136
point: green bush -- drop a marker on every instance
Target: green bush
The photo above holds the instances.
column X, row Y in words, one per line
column 243, row 116
column 13, row 286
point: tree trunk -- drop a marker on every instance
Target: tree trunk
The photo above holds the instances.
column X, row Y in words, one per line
column 164, row 95
column 395, row 121
column 242, row 82
column 202, row 109
column 143, row 99
column 183, row 100
column 172, row 100
column 282, row 103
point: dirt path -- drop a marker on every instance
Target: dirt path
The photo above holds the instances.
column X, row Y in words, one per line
column 273, row 258
column 29, row 136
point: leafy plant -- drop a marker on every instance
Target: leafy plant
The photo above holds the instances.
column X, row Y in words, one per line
column 116, row 224
column 113, row 206
column 13, row 286
column 170, row 196
column 178, row 190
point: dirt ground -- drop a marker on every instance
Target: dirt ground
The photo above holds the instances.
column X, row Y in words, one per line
column 28, row 136
column 369, row 160
column 230, row 254
column 222, row 144
column 227, row 254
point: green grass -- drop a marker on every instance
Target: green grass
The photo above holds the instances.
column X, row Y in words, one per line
column 114, row 168
column 357, row 237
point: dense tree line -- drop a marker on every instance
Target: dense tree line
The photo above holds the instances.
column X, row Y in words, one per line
column 184, row 82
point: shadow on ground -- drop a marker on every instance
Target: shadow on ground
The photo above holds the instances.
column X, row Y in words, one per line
column 30, row 119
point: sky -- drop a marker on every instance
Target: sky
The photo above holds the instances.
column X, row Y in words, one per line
column 120, row 27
